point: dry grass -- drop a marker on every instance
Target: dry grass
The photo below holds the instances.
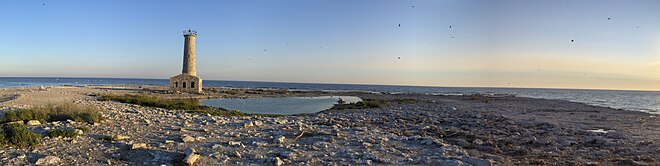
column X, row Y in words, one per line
column 56, row 112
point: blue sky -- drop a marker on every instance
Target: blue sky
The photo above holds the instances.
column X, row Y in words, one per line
column 491, row 43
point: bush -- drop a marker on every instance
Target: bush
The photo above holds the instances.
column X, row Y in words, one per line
column 62, row 133
column 20, row 136
column 3, row 138
column 56, row 112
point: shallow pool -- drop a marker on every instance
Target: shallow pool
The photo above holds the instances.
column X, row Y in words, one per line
column 282, row 106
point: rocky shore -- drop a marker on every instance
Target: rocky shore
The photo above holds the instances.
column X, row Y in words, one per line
column 435, row 130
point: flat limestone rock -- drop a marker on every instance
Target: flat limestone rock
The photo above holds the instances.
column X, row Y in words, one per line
column 33, row 123
column 48, row 160
column 187, row 139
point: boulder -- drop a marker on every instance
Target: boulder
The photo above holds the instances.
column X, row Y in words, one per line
column 191, row 157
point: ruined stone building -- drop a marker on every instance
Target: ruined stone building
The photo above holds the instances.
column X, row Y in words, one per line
column 187, row 81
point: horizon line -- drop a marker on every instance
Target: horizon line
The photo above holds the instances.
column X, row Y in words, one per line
column 368, row 84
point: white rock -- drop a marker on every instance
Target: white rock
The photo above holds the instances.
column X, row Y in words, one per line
column 48, row 160
column 278, row 161
column 279, row 139
column 33, row 123
column 234, row 143
column 78, row 131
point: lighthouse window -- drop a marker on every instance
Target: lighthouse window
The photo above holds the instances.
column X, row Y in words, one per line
column 192, row 84
column 184, row 85
column 176, row 84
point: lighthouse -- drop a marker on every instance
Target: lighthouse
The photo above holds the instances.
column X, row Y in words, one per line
column 187, row 81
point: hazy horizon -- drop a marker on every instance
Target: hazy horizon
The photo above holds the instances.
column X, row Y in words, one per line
column 525, row 44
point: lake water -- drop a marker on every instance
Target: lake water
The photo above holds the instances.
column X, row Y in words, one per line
column 282, row 106
column 646, row 101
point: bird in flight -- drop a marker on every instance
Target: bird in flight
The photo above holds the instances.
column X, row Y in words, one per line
column 450, row 26
column 399, row 25
column 572, row 40
column 399, row 58
column 609, row 18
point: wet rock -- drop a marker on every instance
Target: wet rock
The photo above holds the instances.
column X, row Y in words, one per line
column 631, row 163
column 48, row 160
column 451, row 163
column 477, row 162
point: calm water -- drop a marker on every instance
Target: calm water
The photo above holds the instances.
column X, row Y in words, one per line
column 283, row 106
column 648, row 101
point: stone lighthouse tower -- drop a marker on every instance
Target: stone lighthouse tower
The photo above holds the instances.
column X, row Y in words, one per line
column 187, row 81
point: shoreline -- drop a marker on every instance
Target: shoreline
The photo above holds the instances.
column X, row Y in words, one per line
column 435, row 130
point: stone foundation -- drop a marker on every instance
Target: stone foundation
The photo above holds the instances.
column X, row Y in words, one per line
column 186, row 83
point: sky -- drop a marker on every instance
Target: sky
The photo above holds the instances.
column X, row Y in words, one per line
column 584, row 44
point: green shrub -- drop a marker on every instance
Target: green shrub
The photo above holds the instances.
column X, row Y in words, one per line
column 62, row 133
column 20, row 136
column 56, row 112
column 84, row 129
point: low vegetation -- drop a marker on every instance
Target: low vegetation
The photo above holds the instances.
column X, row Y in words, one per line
column 18, row 135
column 189, row 105
column 68, row 133
column 371, row 103
column 56, row 112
